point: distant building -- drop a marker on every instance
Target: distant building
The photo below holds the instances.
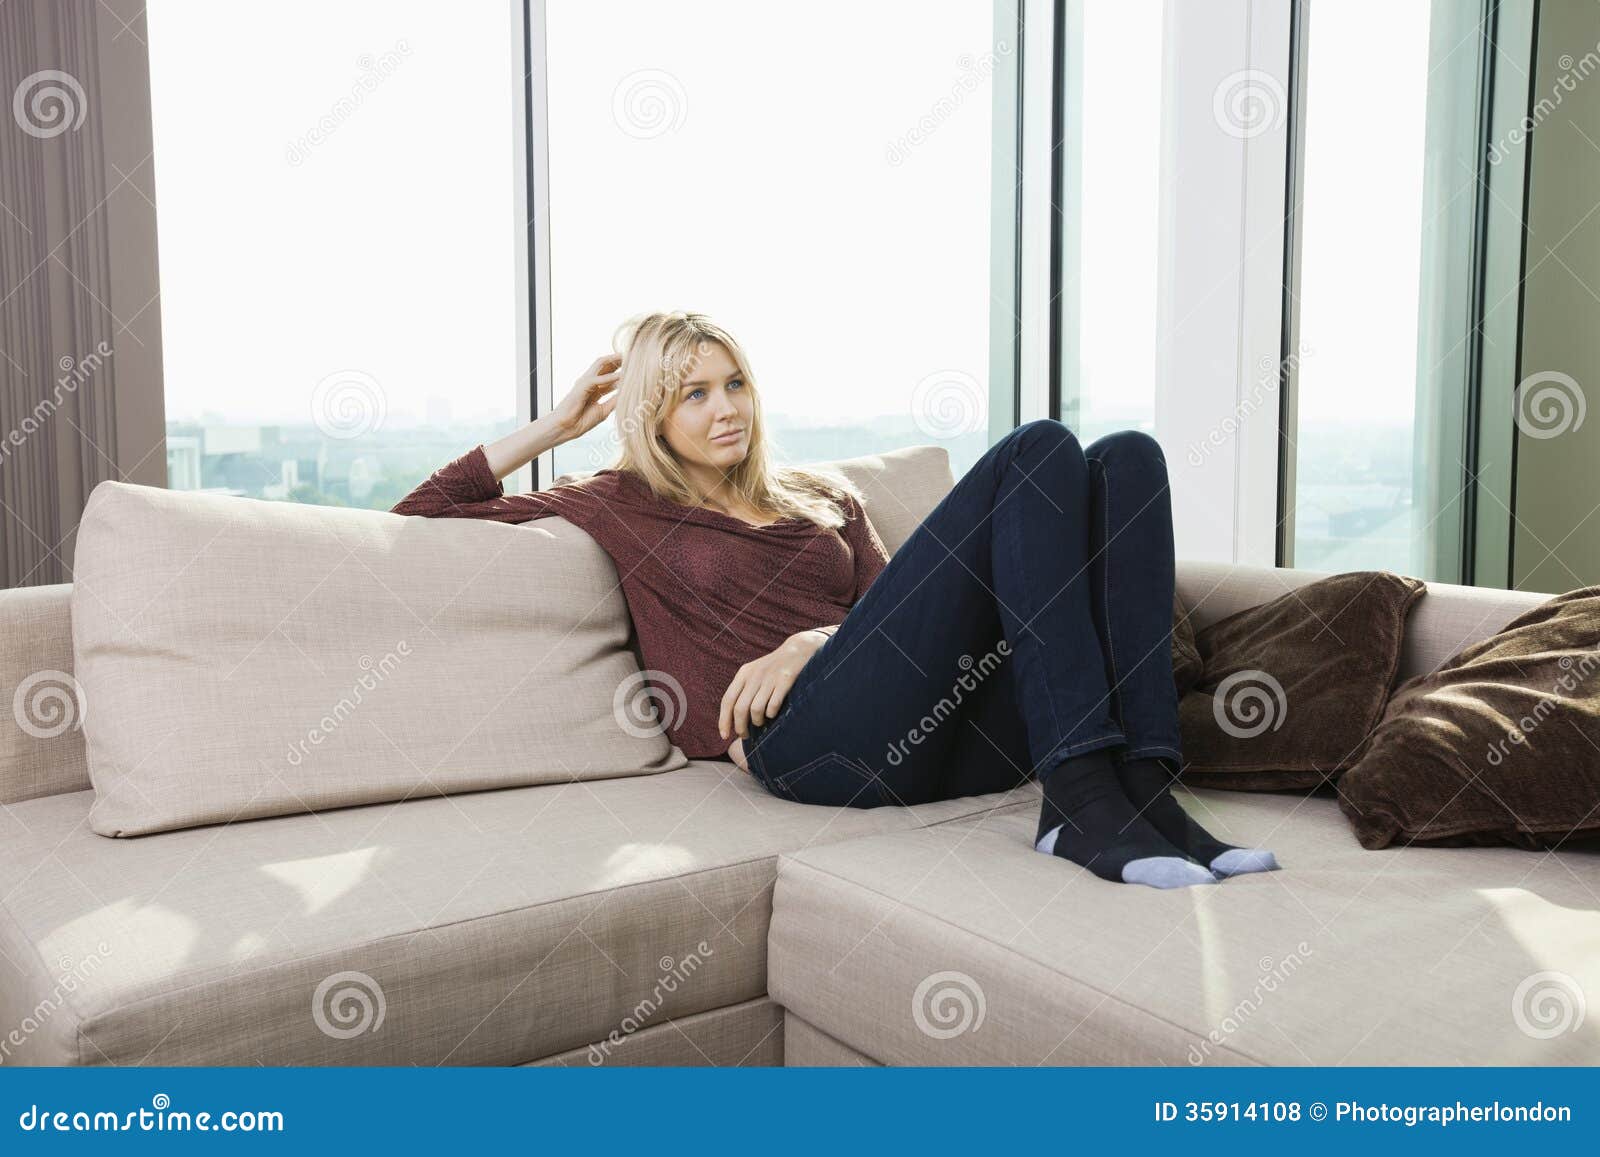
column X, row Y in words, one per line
column 183, row 462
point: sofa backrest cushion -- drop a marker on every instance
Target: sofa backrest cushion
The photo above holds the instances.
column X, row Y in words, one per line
column 1441, row 622
column 243, row 658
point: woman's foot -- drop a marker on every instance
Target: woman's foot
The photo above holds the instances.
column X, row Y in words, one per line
column 1147, row 782
column 1086, row 818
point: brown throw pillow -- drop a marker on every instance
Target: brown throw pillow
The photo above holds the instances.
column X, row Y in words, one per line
column 1500, row 745
column 1293, row 687
column 1186, row 665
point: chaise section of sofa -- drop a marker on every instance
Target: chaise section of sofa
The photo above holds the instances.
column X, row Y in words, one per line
column 960, row 945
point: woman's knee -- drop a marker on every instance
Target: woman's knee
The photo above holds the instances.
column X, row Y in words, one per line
column 1131, row 446
column 1042, row 435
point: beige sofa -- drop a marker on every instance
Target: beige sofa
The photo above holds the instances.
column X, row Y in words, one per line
column 688, row 917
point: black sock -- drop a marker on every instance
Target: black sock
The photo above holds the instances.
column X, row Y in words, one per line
column 1101, row 829
column 1148, row 782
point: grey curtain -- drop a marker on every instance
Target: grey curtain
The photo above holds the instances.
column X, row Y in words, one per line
column 80, row 318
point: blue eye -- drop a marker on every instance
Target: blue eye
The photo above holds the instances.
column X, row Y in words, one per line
column 736, row 382
column 692, row 393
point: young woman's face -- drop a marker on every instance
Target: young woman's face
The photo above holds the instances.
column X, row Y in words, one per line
column 711, row 424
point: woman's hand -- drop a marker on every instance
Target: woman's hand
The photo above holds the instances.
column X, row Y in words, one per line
column 585, row 405
column 758, row 689
column 580, row 411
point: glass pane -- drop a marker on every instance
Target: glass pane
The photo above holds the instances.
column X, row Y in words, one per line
column 1360, row 277
column 820, row 185
column 1112, row 181
column 337, row 219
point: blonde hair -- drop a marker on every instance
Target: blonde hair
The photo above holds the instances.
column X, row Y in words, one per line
column 659, row 350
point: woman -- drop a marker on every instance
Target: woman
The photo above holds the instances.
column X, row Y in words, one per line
column 1023, row 629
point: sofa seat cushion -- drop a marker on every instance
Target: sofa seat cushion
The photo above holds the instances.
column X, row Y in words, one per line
column 491, row 927
column 962, row 945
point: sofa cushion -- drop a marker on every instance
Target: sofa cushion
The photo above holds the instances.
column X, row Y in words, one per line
column 1500, row 745
column 1187, row 666
column 1292, row 688
column 242, row 658
column 962, row 945
column 493, row 927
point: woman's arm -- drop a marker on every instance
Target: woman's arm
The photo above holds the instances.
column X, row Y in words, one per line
column 469, row 487
column 523, row 445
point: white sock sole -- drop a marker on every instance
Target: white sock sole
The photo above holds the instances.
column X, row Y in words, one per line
column 1237, row 861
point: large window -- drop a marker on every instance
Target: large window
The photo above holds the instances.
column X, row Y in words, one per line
column 1406, row 288
column 1360, row 260
column 1111, row 161
column 820, row 180
column 338, row 218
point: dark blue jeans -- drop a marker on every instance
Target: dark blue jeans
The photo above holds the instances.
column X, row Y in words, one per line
column 1026, row 620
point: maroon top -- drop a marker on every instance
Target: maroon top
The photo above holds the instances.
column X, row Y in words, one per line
column 707, row 592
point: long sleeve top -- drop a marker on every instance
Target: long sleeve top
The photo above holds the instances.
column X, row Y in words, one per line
column 707, row 592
